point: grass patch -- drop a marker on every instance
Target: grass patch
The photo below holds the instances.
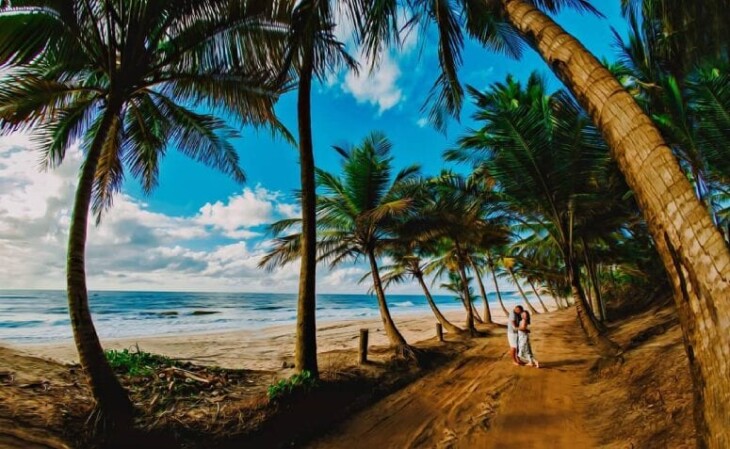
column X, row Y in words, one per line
column 300, row 382
column 136, row 362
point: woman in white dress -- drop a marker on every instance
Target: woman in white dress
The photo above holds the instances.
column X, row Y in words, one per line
column 523, row 341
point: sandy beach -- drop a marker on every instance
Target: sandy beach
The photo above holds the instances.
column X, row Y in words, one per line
column 262, row 349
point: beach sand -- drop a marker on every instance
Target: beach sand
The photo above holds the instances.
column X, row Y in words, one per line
column 262, row 349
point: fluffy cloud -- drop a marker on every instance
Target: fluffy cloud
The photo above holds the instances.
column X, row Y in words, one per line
column 134, row 247
column 248, row 209
column 379, row 87
column 218, row 248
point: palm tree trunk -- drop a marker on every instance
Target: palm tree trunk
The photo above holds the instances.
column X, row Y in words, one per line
column 590, row 267
column 305, row 357
column 448, row 325
column 522, row 293
column 496, row 284
column 397, row 342
column 113, row 410
column 586, row 319
column 483, row 291
column 692, row 249
column 477, row 317
column 467, row 296
column 534, row 290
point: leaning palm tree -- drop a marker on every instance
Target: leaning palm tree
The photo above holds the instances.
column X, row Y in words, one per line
column 121, row 78
column 509, row 264
column 357, row 215
column 451, row 261
column 461, row 212
column 407, row 263
column 455, row 284
column 692, row 250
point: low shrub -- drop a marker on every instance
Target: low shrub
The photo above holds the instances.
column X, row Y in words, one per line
column 136, row 362
column 301, row 382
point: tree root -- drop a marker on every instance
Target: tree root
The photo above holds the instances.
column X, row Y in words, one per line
column 111, row 423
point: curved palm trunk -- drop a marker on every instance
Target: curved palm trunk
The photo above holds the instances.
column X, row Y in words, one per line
column 477, row 317
column 113, row 409
column 397, row 342
column 467, row 297
column 597, row 301
column 586, row 319
column 522, row 293
column 305, row 354
column 483, row 291
column 692, row 249
column 448, row 325
column 496, row 285
column 534, row 290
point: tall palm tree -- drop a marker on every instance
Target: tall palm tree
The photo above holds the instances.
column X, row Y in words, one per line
column 121, row 77
column 357, row 215
column 692, row 250
column 544, row 156
column 313, row 51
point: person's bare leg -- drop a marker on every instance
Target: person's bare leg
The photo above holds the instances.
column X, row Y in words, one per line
column 515, row 360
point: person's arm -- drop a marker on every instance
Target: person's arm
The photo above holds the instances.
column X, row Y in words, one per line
column 513, row 318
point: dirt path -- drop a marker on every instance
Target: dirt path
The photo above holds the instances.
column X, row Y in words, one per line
column 483, row 401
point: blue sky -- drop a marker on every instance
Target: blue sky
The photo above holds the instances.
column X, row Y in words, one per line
column 201, row 231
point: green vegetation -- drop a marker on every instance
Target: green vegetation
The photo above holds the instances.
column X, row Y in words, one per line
column 300, row 382
column 136, row 362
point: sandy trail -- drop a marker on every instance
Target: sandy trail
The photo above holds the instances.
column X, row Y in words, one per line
column 482, row 400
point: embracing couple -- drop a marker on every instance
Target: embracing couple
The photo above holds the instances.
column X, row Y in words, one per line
column 518, row 335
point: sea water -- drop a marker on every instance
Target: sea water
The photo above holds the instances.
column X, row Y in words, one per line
column 38, row 316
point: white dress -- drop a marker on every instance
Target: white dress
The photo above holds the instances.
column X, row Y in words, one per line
column 524, row 347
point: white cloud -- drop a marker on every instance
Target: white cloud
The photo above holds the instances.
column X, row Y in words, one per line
column 136, row 248
column 379, row 87
column 345, row 277
column 250, row 208
column 422, row 122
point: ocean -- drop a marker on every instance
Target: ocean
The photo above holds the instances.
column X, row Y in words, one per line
column 40, row 316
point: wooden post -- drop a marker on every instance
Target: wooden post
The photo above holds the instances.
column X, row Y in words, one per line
column 440, row 331
column 363, row 346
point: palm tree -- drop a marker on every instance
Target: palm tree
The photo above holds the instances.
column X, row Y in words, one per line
column 457, row 286
column 462, row 213
column 689, row 32
column 692, row 250
column 476, row 263
column 450, row 262
column 544, row 157
column 120, row 77
column 408, row 263
column 491, row 263
column 313, row 51
column 509, row 263
column 357, row 216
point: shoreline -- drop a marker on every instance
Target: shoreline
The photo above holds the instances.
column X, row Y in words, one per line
column 268, row 348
